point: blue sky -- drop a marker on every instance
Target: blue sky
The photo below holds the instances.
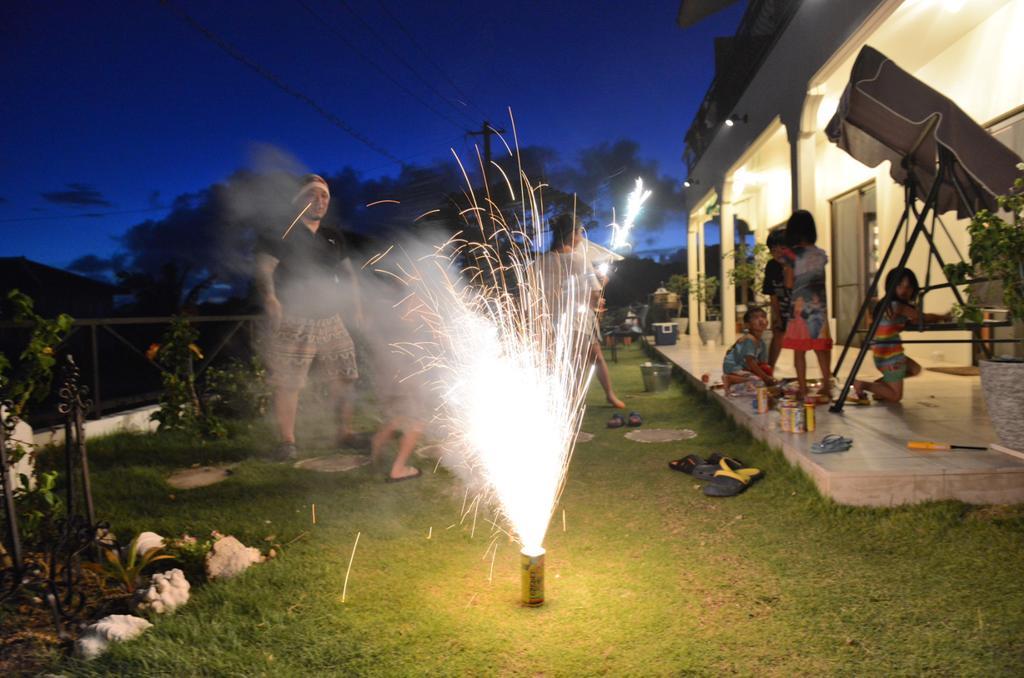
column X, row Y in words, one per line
column 114, row 109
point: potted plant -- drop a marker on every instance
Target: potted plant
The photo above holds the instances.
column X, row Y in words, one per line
column 706, row 292
column 680, row 285
column 997, row 254
column 747, row 275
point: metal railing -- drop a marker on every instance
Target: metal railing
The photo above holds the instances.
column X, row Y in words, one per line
column 119, row 373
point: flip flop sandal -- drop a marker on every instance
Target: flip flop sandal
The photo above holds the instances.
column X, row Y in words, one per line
column 832, row 443
column 617, row 421
column 717, row 457
column 704, row 471
column 726, row 483
column 734, row 464
column 686, row 464
column 750, row 474
column 635, row 419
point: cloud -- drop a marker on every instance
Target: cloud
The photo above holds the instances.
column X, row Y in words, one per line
column 94, row 266
column 78, row 195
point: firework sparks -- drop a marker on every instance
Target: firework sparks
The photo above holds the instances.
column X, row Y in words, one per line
column 344, row 590
column 634, row 203
column 509, row 364
column 295, row 221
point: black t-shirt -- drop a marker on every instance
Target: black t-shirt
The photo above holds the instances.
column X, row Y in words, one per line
column 775, row 285
column 309, row 280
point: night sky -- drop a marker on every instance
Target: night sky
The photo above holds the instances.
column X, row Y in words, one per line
column 111, row 110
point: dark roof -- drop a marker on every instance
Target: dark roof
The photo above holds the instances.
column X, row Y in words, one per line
column 737, row 60
column 17, row 271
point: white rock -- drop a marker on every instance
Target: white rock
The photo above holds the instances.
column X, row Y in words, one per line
column 116, row 628
column 148, row 540
column 230, row 557
column 167, row 591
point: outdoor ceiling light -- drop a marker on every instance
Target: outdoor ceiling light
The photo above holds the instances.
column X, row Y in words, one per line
column 690, row 182
column 734, row 118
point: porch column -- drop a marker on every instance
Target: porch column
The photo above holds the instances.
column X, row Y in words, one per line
column 691, row 274
column 702, row 311
column 727, row 229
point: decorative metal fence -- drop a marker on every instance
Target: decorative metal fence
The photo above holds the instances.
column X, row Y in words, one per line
column 119, row 373
column 53, row 575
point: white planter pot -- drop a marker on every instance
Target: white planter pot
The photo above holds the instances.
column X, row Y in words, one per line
column 1002, row 383
column 26, row 466
column 710, row 330
column 683, row 323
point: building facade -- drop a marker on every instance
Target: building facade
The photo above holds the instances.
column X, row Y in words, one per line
column 759, row 154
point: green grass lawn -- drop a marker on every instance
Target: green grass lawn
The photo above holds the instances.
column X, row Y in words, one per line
column 650, row 578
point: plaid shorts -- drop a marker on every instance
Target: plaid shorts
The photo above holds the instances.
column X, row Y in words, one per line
column 297, row 342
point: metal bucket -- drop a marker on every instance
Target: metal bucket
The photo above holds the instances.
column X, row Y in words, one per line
column 657, row 377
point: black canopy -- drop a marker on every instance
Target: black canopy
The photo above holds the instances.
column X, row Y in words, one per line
column 887, row 114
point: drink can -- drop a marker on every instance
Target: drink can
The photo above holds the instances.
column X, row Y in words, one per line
column 761, row 400
column 786, row 411
column 809, row 416
column 532, row 567
column 798, row 418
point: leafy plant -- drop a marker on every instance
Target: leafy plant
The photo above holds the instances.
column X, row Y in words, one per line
column 239, row 389
column 190, row 553
column 706, row 291
column 39, row 509
column 180, row 406
column 748, row 270
column 28, row 381
column 996, row 253
column 678, row 283
column 126, row 567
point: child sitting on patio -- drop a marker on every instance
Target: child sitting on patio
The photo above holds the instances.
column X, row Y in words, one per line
column 889, row 357
column 747, row 359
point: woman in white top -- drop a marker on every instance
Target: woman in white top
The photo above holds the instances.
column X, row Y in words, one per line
column 570, row 283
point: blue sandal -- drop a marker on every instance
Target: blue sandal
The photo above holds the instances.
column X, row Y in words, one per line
column 832, row 443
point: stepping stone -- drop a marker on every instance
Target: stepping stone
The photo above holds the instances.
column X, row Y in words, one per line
column 333, row 463
column 584, row 437
column 201, row 476
column 661, row 435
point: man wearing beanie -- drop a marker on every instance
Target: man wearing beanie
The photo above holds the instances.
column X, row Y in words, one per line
column 305, row 279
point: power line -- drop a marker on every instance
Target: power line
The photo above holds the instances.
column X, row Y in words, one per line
column 384, row 42
column 238, row 56
column 429, row 59
column 380, row 69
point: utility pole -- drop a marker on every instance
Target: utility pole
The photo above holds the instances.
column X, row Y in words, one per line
column 486, row 131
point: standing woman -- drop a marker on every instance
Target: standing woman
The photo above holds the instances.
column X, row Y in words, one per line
column 565, row 272
column 807, row 328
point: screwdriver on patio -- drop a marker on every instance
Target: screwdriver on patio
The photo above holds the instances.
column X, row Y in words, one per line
column 925, row 445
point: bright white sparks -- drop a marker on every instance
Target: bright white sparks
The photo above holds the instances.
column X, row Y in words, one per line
column 634, row 203
column 511, row 371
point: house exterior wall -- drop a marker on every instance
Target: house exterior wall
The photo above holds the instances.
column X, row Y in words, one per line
column 971, row 53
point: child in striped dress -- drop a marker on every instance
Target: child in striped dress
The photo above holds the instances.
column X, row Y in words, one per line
column 891, row 361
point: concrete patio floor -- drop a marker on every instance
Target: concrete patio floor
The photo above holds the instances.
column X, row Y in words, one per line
column 880, row 470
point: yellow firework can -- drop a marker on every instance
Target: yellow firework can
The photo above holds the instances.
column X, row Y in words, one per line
column 531, row 565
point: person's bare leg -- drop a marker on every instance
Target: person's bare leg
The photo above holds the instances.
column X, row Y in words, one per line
column 891, row 392
column 913, row 367
column 775, row 350
column 411, row 432
column 601, row 367
column 382, row 437
column 825, row 363
column 800, row 362
column 343, row 397
column 286, row 405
